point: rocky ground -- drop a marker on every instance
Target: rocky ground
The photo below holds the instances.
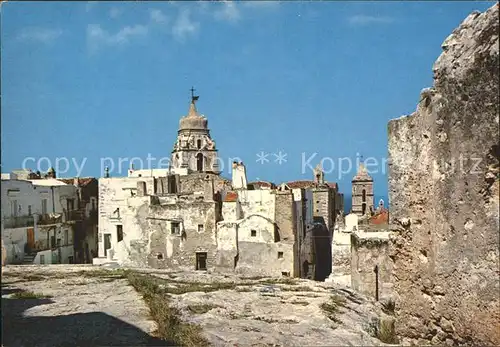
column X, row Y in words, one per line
column 87, row 305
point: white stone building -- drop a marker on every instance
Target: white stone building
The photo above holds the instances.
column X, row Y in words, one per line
column 39, row 218
column 35, row 225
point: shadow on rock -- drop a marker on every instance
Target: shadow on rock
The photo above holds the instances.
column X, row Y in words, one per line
column 80, row 329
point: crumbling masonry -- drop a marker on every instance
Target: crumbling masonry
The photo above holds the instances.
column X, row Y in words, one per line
column 444, row 193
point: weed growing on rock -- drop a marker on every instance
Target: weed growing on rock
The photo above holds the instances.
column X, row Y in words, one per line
column 29, row 295
column 170, row 326
column 388, row 307
column 201, row 308
column 298, row 289
column 383, row 329
column 332, row 307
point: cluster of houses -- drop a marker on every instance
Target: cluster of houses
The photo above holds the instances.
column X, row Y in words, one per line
column 188, row 217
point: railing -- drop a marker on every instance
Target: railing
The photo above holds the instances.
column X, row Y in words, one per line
column 18, row 222
column 75, row 215
column 48, row 219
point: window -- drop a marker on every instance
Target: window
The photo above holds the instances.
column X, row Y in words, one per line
column 29, row 210
column 66, row 237
column 364, row 195
column 52, row 241
column 44, row 206
column 13, row 205
column 199, row 162
column 172, row 187
column 70, row 204
column 119, row 232
column 276, row 235
column 253, row 233
column 198, row 144
column 175, row 228
column 280, row 255
column 42, row 259
column 200, row 228
column 93, row 204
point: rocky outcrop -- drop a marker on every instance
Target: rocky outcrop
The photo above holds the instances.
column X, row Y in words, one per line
column 444, row 196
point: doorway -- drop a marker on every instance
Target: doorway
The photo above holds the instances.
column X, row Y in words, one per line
column 30, row 236
column 107, row 243
column 201, row 260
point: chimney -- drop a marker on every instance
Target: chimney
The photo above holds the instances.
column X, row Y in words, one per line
column 141, row 188
column 239, row 176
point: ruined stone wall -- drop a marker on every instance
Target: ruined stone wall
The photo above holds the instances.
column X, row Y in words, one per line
column 371, row 266
column 178, row 250
column 265, row 259
column 341, row 253
column 443, row 192
column 114, row 193
column 195, row 182
column 357, row 197
column 285, row 215
column 260, row 202
column 323, row 206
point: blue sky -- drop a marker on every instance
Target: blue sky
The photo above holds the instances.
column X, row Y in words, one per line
column 95, row 80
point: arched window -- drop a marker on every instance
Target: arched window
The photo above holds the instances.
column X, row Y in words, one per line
column 198, row 143
column 276, row 235
column 199, row 162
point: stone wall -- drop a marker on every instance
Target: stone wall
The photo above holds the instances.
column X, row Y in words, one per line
column 443, row 192
column 371, row 266
column 284, row 215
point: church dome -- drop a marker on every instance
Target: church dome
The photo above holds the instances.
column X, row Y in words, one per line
column 193, row 121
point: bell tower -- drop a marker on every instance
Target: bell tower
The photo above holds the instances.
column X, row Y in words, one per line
column 194, row 149
column 362, row 192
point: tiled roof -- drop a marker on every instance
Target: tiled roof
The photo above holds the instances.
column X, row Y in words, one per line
column 262, row 184
column 231, row 197
column 333, row 185
column 381, row 217
column 82, row 181
column 309, row 184
column 300, row 184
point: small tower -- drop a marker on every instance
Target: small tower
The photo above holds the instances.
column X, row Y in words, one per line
column 362, row 192
column 194, row 149
column 319, row 175
column 239, row 176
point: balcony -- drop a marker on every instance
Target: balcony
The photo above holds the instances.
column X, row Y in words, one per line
column 75, row 215
column 47, row 219
column 18, row 222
